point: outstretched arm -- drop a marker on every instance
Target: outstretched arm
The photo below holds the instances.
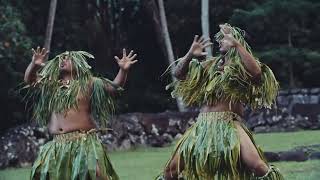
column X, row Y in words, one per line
column 248, row 60
column 124, row 63
column 196, row 50
column 37, row 62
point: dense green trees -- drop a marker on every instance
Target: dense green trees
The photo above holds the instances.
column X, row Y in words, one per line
column 284, row 34
column 14, row 47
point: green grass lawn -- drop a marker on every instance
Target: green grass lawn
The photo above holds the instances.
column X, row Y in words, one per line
column 145, row 163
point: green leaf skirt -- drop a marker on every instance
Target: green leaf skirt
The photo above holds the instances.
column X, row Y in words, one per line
column 75, row 155
column 210, row 149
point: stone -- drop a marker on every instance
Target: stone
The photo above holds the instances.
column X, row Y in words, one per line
column 298, row 99
column 283, row 92
column 272, row 156
column 261, row 129
column 19, row 146
column 275, row 129
column 294, row 91
column 303, row 122
column 315, row 155
column 304, row 91
column 283, row 101
column 155, row 141
column 293, row 156
column 315, row 91
column 125, row 145
column 168, row 137
column 314, row 99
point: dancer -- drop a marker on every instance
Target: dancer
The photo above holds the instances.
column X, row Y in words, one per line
column 219, row 146
column 69, row 99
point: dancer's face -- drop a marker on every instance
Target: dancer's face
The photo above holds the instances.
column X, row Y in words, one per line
column 224, row 46
column 66, row 64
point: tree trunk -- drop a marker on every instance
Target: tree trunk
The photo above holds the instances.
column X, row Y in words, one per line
column 153, row 12
column 101, row 40
column 51, row 16
column 290, row 69
column 168, row 46
column 205, row 22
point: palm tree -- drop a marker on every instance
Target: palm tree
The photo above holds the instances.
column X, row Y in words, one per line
column 205, row 22
column 168, row 46
column 51, row 16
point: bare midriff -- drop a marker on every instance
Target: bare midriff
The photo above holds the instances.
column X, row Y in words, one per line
column 224, row 106
column 73, row 119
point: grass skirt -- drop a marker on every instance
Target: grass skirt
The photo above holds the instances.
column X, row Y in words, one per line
column 210, row 149
column 71, row 156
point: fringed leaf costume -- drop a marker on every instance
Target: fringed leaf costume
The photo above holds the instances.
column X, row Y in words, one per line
column 74, row 155
column 206, row 85
column 210, row 148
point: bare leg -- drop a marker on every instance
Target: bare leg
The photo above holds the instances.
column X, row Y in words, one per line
column 98, row 174
column 249, row 154
column 171, row 171
column 36, row 176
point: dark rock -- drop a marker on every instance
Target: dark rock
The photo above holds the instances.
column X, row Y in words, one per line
column 314, row 99
column 255, row 120
column 154, row 123
column 315, row 91
column 315, row 155
column 308, row 149
column 125, row 144
column 283, row 92
column 294, row 91
column 19, row 146
column 262, row 129
column 304, row 91
column 276, row 129
column 157, row 141
column 173, row 128
column 178, row 136
column 303, row 122
column 296, row 109
column 272, row 156
column 283, row 101
column 298, row 99
column 293, row 156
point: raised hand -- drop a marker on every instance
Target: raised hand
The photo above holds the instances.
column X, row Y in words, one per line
column 39, row 56
column 127, row 60
column 228, row 38
column 198, row 46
